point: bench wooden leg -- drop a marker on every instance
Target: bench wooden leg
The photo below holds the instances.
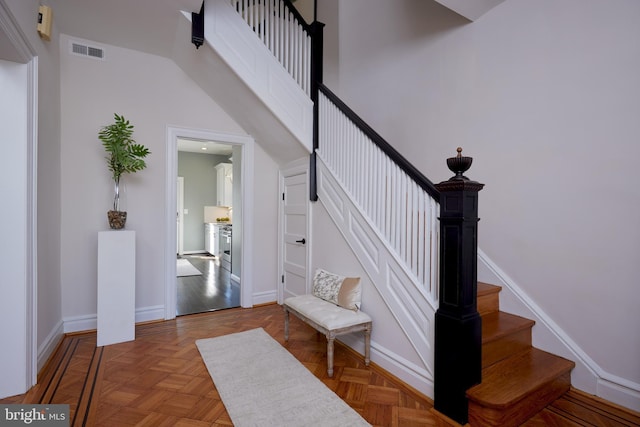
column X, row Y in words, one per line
column 367, row 345
column 330, row 339
column 286, row 324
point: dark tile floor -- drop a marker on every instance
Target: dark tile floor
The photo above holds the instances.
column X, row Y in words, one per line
column 212, row 290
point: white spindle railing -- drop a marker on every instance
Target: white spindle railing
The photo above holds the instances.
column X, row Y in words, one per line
column 280, row 31
column 404, row 214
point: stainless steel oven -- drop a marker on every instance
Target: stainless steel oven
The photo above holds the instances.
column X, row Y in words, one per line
column 224, row 248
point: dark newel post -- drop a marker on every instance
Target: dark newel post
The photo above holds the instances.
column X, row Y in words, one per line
column 316, row 79
column 457, row 323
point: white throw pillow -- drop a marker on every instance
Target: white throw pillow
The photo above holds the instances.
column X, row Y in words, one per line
column 343, row 291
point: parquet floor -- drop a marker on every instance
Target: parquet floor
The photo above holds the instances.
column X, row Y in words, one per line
column 160, row 380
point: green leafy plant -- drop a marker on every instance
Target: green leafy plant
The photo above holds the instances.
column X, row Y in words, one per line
column 124, row 155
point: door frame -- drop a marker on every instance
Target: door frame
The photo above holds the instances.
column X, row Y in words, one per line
column 247, row 167
column 180, row 214
column 296, row 167
column 22, row 52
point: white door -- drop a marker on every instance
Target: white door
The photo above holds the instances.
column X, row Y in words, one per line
column 294, row 233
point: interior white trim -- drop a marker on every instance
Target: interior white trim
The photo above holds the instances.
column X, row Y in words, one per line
column 246, row 266
column 89, row 322
column 180, row 202
column 32, row 221
column 50, row 343
column 264, row 297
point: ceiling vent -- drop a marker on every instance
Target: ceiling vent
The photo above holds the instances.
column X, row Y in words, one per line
column 82, row 49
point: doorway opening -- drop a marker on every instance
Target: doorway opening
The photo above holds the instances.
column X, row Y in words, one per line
column 197, row 277
column 206, row 280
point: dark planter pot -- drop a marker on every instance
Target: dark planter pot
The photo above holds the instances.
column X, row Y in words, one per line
column 117, row 219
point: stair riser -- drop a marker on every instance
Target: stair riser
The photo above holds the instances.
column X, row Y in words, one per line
column 516, row 414
column 504, row 347
column 488, row 303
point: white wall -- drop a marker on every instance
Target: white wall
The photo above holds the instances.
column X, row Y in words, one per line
column 328, row 15
column 265, row 228
column 152, row 92
column 305, row 7
column 544, row 95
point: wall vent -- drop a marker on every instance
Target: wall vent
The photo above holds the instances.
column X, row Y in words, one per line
column 82, row 49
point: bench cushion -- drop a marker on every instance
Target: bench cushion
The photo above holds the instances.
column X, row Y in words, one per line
column 324, row 313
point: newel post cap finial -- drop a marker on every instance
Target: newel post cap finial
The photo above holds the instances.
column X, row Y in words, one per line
column 459, row 165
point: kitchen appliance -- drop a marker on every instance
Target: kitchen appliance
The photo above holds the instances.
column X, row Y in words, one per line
column 224, row 246
column 211, row 234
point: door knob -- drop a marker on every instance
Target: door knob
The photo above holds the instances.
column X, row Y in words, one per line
column 301, row 241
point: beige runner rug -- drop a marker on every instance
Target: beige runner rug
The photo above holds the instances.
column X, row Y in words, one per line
column 261, row 384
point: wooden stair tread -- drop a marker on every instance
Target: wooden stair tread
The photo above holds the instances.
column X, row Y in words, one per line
column 486, row 288
column 499, row 324
column 507, row 382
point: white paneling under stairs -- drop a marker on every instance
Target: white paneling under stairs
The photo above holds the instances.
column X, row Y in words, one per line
column 412, row 307
column 243, row 77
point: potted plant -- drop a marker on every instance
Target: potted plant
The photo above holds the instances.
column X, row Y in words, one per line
column 124, row 155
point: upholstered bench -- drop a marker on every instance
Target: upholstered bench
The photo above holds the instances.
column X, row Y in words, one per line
column 329, row 319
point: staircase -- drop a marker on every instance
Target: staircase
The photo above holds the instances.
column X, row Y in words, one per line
column 518, row 380
column 386, row 209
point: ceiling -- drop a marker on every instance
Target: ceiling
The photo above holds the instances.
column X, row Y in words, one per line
column 204, row 147
column 144, row 25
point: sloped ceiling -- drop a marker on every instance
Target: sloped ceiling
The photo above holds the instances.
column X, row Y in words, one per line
column 470, row 9
column 144, row 25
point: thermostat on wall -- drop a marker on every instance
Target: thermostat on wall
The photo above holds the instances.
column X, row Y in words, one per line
column 44, row 22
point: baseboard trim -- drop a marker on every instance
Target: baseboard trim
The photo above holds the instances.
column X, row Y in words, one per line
column 80, row 323
column 147, row 314
column 264, row 297
column 50, row 344
column 620, row 391
column 90, row 322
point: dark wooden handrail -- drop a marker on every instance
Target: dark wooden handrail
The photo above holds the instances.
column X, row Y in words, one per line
column 297, row 15
column 386, row 148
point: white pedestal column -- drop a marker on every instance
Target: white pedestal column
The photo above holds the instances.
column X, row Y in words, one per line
column 116, row 286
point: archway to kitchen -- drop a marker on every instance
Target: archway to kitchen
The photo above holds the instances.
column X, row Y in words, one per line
column 240, row 149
